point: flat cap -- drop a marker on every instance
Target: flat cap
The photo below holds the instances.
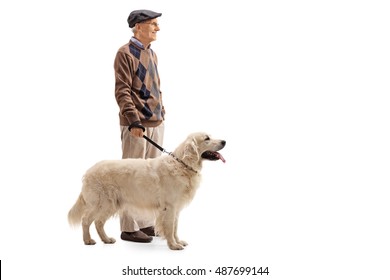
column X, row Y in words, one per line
column 140, row 16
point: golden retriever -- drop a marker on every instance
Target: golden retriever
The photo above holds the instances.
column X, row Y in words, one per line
column 162, row 186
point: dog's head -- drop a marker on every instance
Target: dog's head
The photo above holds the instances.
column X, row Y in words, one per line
column 200, row 146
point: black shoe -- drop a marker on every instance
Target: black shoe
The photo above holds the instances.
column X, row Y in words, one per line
column 137, row 236
column 149, row 231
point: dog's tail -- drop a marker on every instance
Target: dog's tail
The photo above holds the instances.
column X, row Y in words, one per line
column 76, row 212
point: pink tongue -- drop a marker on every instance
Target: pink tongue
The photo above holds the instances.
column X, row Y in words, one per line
column 220, row 157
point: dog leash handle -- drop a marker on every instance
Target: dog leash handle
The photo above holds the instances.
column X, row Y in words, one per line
column 154, row 143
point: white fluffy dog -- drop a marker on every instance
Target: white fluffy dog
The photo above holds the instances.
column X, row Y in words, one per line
column 162, row 185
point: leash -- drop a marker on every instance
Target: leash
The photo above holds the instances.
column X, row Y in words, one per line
column 155, row 144
column 169, row 153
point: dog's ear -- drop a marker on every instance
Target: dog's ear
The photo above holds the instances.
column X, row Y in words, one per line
column 191, row 150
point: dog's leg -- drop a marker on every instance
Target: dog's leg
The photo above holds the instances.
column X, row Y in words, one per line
column 168, row 224
column 86, row 223
column 178, row 241
column 158, row 227
column 99, row 224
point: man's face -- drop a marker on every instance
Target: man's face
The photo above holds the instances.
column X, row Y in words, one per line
column 147, row 30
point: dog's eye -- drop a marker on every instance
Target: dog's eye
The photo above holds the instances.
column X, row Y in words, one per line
column 207, row 138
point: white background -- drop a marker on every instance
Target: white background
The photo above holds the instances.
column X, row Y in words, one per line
column 298, row 89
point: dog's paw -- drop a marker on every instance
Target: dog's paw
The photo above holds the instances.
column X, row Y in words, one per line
column 175, row 246
column 110, row 240
column 89, row 242
column 182, row 242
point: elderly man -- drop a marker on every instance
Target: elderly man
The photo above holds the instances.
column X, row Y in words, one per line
column 141, row 111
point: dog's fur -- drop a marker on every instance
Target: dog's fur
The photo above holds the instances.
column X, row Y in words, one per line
column 162, row 186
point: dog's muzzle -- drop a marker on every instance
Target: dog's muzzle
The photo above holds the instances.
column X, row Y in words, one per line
column 214, row 155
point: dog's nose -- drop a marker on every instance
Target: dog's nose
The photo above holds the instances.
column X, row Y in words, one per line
column 223, row 142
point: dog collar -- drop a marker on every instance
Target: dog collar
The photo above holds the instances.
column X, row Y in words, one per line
column 182, row 162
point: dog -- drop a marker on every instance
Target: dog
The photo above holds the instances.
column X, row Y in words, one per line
column 160, row 186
